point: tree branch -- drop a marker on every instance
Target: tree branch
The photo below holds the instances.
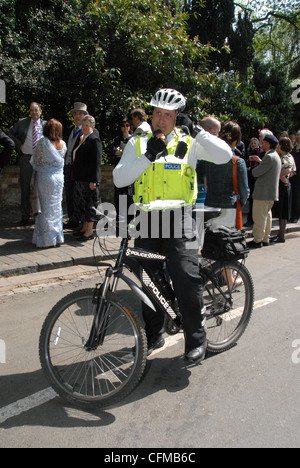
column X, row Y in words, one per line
column 288, row 19
column 291, row 19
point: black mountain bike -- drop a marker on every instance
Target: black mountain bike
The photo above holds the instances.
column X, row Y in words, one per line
column 93, row 346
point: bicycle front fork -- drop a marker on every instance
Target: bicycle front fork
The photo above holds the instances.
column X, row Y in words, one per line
column 100, row 322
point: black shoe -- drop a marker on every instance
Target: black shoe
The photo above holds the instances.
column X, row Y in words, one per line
column 156, row 343
column 277, row 240
column 85, row 238
column 254, row 245
column 24, row 222
column 248, row 224
column 196, row 355
column 78, row 234
column 71, row 225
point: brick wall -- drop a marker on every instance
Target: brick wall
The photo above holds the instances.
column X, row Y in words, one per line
column 10, row 196
column 107, row 185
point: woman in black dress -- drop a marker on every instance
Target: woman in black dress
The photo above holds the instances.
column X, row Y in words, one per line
column 87, row 173
column 295, row 182
column 282, row 208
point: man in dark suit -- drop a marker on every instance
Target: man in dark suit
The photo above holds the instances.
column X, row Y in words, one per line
column 71, row 135
column 8, row 147
column 26, row 133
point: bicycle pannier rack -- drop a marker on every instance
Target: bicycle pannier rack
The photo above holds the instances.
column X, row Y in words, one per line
column 225, row 244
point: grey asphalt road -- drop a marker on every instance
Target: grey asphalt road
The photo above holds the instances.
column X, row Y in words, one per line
column 247, row 397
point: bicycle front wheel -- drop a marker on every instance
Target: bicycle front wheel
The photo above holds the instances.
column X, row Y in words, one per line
column 85, row 376
column 228, row 292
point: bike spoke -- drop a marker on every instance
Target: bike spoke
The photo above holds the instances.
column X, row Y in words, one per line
column 99, row 372
column 228, row 297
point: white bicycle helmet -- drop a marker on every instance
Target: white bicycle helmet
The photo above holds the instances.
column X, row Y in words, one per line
column 168, row 99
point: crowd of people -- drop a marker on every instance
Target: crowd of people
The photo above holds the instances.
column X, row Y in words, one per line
column 52, row 159
column 273, row 177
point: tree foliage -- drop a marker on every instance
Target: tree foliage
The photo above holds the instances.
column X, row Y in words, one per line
column 211, row 22
column 276, row 25
column 241, row 44
column 276, row 44
column 275, row 95
column 114, row 54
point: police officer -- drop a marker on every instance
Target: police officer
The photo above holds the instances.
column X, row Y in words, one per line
column 161, row 165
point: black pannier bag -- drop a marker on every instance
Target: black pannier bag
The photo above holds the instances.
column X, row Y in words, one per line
column 224, row 244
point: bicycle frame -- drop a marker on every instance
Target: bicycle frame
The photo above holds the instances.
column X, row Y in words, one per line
column 151, row 293
column 93, row 344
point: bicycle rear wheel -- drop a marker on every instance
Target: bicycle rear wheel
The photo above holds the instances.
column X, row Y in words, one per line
column 228, row 292
column 101, row 376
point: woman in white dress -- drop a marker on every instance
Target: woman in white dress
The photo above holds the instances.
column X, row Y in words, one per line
column 48, row 162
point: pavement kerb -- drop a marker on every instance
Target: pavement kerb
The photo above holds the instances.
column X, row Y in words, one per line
column 36, row 281
column 22, row 267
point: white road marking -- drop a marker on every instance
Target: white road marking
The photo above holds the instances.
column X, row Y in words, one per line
column 257, row 305
column 170, row 341
column 264, row 302
column 298, row 288
column 26, row 404
column 42, row 397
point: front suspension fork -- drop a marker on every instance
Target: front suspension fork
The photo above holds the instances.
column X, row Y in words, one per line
column 98, row 330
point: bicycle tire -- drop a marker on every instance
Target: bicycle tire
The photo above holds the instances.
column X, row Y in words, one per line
column 228, row 313
column 100, row 377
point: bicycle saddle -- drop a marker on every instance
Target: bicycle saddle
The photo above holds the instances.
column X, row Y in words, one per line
column 209, row 213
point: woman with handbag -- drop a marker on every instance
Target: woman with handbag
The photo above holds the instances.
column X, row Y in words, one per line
column 282, row 209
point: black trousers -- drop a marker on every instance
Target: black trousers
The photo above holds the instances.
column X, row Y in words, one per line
column 69, row 190
column 26, row 172
column 295, row 183
column 183, row 267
